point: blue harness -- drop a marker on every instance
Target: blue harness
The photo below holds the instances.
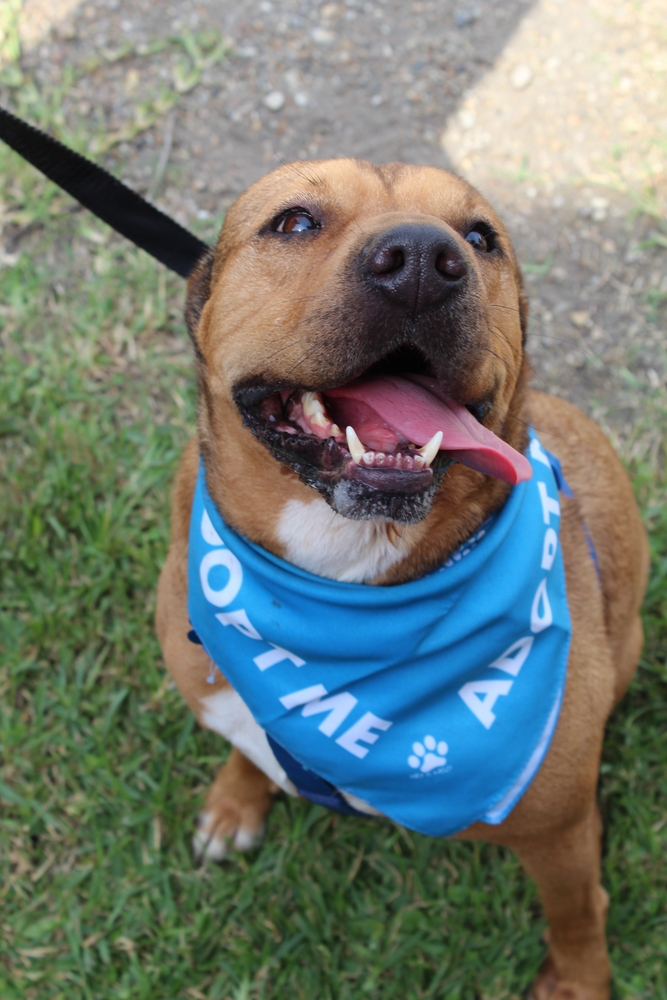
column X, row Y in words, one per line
column 434, row 701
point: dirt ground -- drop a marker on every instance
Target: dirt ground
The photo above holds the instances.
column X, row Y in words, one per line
column 556, row 110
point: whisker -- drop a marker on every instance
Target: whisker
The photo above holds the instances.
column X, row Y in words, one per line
column 521, row 420
column 498, row 356
column 499, row 305
column 283, row 347
column 516, row 350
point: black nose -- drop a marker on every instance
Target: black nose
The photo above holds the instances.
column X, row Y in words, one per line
column 416, row 265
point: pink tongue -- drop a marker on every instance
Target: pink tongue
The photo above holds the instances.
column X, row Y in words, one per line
column 410, row 406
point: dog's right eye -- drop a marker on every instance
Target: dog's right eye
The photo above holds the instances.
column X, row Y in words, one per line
column 295, row 221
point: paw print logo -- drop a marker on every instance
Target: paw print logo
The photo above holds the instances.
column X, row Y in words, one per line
column 428, row 755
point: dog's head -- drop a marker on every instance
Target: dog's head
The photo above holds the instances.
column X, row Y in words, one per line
column 363, row 327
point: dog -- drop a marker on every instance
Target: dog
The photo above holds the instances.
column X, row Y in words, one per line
column 365, row 428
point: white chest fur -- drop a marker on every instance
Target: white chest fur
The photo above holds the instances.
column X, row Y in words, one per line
column 323, row 542
column 226, row 713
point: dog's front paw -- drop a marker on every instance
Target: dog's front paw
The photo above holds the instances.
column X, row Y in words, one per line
column 235, row 812
column 549, row 986
column 230, row 828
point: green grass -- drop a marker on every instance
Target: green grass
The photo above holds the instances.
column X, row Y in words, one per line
column 103, row 770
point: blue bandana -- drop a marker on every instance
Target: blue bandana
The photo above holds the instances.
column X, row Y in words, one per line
column 433, row 701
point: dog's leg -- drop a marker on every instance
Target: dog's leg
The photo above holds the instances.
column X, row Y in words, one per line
column 240, row 797
column 236, row 807
column 566, row 868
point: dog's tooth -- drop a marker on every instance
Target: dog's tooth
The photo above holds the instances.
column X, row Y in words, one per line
column 406, row 462
column 312, row 403
column 431, row 448
column 368, row 457
column 354, row 444
column 379, row 457
column 334, row 431
column 398, row 460
column 417, row 461
column 319, row 419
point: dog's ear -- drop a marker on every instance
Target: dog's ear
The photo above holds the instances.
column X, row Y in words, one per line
column 197, row 294
column 523, row 305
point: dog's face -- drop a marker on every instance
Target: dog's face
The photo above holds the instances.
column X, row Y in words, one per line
column 348, row 315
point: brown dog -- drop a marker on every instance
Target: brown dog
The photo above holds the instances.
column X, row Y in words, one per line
column 337, row 274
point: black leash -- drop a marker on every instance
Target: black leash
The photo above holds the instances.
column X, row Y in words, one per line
column 110, row 200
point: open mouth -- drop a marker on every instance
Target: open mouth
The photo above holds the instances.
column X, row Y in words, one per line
column 393, row 430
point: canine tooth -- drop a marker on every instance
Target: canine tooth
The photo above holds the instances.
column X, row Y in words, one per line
column 354, row 444
column 312, row 403
column 319, row 419
column 431, row 448
column 369, row 457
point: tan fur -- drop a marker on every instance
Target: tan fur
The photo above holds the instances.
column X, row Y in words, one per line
column 250, row 312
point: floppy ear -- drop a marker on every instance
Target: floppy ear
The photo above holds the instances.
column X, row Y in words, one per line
column 197, row 294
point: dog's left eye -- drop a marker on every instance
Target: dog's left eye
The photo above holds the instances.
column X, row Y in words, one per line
column 296, row 221
column 482, row 237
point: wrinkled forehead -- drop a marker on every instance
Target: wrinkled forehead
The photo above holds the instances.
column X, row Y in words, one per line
column 348, row 189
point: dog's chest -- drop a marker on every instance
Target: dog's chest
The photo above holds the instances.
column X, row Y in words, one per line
column 375, row 689
column 320, row 541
